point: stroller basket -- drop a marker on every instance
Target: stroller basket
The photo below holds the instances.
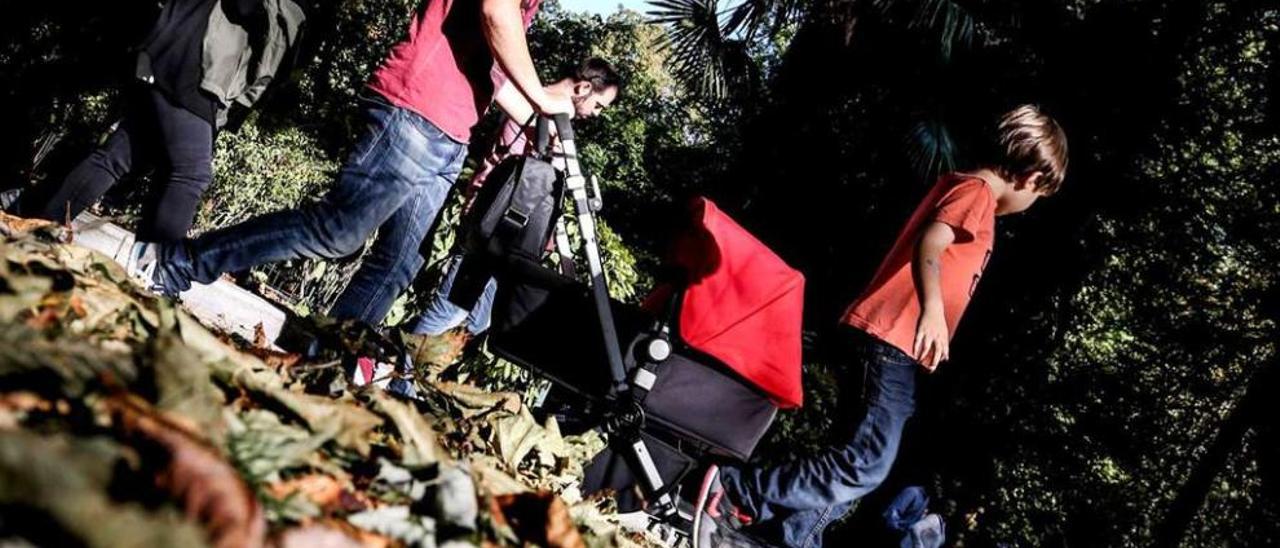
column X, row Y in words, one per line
column 552, row 330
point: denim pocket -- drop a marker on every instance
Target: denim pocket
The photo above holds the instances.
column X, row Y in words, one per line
column 380, row 117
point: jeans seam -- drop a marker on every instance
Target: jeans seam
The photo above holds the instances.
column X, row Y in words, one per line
column 382, row 287
column 818, row 525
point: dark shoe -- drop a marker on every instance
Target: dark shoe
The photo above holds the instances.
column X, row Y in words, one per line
column 717, row 523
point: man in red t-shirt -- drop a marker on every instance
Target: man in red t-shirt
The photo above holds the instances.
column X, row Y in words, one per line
column 903, row 321
column 459, row 56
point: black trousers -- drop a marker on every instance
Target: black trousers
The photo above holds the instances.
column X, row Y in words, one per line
column 155, row 134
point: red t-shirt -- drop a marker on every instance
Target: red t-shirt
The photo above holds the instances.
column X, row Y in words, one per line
column 445, row 71
column 889, row 309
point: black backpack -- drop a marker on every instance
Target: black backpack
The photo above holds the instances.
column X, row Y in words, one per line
column 511, row 220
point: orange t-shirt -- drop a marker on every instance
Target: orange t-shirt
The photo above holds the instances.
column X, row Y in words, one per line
column 889, row 309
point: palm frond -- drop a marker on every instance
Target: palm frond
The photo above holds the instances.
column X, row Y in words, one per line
column 930, row 148
column 950, row 21
column 696, row 44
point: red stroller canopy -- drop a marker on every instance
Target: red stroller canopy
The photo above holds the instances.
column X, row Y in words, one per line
column 743, row 304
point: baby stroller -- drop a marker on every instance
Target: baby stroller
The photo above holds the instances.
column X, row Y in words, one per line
column 696, row 373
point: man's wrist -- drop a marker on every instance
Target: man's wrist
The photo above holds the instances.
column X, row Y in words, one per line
column 538, row 98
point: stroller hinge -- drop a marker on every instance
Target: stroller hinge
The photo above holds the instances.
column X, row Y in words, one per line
column 666, row 506
column 644, row 379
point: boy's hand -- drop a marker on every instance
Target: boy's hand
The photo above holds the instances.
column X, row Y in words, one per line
column 932, row 342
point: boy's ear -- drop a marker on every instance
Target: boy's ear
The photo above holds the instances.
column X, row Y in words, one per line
column 582, row 89
column 1030, row 180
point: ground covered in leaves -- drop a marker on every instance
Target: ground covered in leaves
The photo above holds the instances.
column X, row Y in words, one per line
column 125, row 422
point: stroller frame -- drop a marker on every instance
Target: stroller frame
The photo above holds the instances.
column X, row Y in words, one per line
column 624, row 416
column 665, row 404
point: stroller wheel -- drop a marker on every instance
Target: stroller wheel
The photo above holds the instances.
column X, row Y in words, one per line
column 700, row 515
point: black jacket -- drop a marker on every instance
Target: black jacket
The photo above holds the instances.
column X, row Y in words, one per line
column 171, row 56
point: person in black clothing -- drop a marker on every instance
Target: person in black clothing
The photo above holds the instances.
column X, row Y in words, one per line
column 169, row 125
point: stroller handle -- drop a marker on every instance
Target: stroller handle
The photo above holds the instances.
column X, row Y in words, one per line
column 564, row 126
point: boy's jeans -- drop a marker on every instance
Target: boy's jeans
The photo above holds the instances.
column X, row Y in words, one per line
column 805, row 495
column 394, row 181
column 442, row 315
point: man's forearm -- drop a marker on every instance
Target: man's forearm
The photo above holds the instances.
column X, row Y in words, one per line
column 504, row 31
column 513, row 103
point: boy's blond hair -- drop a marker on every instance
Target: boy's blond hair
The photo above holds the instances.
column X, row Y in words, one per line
column 1030, row 141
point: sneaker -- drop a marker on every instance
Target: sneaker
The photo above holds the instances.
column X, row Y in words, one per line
column 9, row 197
column 369, row 371
column 143, row 265
column 929, row 532
column 716, row 521
column 383, row 375
column 140, row 264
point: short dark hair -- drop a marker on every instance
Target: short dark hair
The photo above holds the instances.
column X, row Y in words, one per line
column 598, row 72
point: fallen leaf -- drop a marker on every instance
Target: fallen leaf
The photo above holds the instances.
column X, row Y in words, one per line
column 540, row 518
column 14, row 226
column 260, row 337
column 263, row 446
column 67, row 479
column 317, row 536
column 421, row 446
column 454, row 499
column 472, row 401
column 433, row 353
column 347, row 423
column 209, row 488
column 319, row 489
column 183, row 386
column 24, row 402
column 399, row 523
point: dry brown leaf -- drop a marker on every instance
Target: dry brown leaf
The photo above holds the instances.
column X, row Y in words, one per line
column 77, row 306
column 326, row 492
column 319, row 536
column 12, row 225
column 260, row 337
column 473, row 401
column 540, row 518
column 421, row 446
column 436, row 352
column 24, row 402
column 208, row 487
column 46, row 318
column 365, row 539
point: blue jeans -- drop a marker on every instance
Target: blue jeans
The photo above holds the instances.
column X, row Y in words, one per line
column 804, row 495
column 394, row 182
column 441, row 315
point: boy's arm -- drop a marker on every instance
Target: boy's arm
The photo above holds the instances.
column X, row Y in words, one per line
column 505, row 33
column 931, row 345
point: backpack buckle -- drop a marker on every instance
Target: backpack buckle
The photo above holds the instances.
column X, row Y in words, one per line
column 515, row 217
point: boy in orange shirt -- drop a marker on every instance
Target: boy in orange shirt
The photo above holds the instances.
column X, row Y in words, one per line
column 902, row 321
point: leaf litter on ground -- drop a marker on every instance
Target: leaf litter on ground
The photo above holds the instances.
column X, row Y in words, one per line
column 124, row 421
